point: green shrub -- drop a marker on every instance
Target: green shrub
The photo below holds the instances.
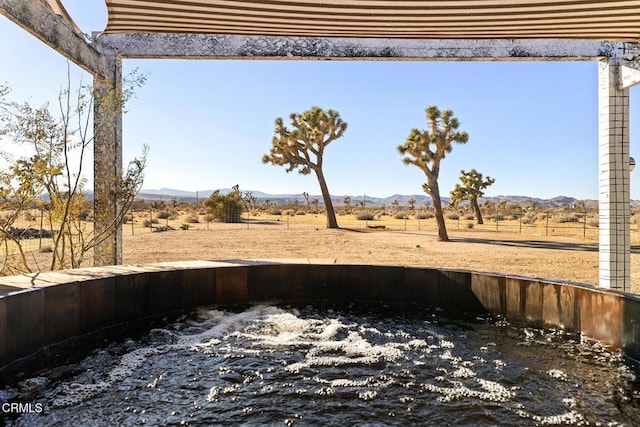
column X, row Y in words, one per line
column 453, row 216
column 225, row 208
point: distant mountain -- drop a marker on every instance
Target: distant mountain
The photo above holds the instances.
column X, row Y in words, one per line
column 168, row 194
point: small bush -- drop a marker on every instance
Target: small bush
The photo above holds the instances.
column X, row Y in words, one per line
column 192, row 219
column 163, row 215
column 593, row 223
column 453, row 216
column 28, row 216
column 400, row 215
column 469, row 225
column 209, row 218
column 127, row 218
column 275, row 212
column 46, row 249
column 365, row 217
column 568, row 218
column 226, row 208
column 84, row 215
column 469, row 217
column 300, row 213
column 427, row 215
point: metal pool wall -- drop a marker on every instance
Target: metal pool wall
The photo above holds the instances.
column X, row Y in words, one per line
column 45, row 308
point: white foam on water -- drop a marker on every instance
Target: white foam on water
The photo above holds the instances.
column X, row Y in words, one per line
column 221, row 324
column 489, row 391
column 329, row 342
column 557, row 373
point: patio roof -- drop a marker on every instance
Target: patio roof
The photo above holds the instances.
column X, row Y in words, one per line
column 413, row 19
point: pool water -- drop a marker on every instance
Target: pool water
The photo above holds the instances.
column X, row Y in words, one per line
column 281, row 365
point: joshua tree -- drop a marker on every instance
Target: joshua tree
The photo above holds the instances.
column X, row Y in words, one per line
column 347, row 203
column 306, row 199
column 471, row 189
column 412, row 204
column 426, row 149
column 303, row 147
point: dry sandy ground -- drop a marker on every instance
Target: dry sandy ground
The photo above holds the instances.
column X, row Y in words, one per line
column 504, row 252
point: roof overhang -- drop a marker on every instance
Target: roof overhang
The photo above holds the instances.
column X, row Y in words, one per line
column 611, row 20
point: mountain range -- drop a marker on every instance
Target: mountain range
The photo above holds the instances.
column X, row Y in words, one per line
column 168, row 194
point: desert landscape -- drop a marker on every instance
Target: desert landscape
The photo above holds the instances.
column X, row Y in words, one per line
column 557, row 252
column 561, row 245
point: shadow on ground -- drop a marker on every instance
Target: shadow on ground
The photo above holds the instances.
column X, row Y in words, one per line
column 538, row 244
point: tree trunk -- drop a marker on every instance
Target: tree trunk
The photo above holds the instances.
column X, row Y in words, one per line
column 474, row 202
column 437, row 205
column 331, row 214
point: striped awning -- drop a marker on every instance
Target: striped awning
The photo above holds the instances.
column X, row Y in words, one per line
column 445, row 19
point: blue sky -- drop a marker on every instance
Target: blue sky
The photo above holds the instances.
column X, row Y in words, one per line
column 532, row 125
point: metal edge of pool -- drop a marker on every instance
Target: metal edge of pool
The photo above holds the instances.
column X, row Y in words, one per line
column 45, row 308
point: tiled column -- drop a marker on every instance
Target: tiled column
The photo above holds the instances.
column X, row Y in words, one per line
column 107, row 164
column 613, row 110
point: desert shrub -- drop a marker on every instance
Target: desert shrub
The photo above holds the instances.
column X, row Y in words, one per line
column 568, row 218
column 225, row 208
column 424, row 215
column 84, row 214
column 469, row 225
column 127, row 218
column 28, row 216
column 208, row 218
column 193, row 219
column 163, row 215
column 300, row 213
column 47, row 249
column 149, row 222
column 469, row 217
column 364, row 217
column 593, row 223
column 400, row 215
column 528, row 220
column 453, row 216
column 275, row 212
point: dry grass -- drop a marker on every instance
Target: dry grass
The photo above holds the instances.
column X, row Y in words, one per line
column 559, row 251
column 564, row 254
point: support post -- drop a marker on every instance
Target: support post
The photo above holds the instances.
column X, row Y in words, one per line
column 614, row 199
column 107, row 164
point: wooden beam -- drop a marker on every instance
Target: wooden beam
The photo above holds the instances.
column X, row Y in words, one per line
column 207, row 46
column 54, row 30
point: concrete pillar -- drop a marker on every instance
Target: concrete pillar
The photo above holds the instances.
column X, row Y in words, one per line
column 107, row 164
column 613, row 110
